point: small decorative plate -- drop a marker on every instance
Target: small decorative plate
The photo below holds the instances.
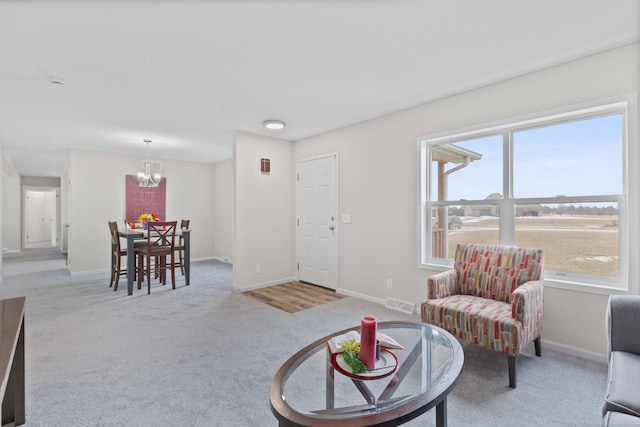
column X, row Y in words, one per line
column 385, row 366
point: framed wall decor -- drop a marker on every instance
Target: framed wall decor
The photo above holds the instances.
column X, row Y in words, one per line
column 145, row 199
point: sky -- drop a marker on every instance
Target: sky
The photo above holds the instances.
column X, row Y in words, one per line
column 572, row 159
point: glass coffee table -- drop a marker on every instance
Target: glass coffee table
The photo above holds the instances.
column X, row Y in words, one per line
column 308, row 390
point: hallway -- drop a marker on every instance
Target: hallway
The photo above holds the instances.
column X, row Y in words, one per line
column 33, row 261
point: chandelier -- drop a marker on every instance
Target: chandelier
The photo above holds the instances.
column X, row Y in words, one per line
column 146, row 178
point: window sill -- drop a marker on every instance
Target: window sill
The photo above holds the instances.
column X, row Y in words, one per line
column 590, row 288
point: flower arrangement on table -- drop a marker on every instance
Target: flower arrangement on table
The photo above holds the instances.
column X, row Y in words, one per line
column 146, row 217
column 351, row 354
column 362, row 351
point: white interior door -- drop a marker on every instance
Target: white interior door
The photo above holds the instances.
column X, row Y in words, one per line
column 36, row 208
column 317, row 224
column 40, row 213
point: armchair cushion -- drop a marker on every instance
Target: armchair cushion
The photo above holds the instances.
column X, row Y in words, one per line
column 477, row 320
column 618, row 419
column 623, row 390
column 493, row 271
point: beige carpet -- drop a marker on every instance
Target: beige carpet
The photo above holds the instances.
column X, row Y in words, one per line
column 204, row 355
column 295, row 296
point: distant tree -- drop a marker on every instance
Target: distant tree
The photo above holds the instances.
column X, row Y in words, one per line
column 610, row 210
column 458, row 211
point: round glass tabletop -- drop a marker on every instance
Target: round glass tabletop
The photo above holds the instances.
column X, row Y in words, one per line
column 309, row 390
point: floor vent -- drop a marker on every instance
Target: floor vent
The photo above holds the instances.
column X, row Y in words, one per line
column 396, row 304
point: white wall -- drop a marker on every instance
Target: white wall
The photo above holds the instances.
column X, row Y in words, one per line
column 97, row 195
column 222, row 221
column 40, row 181
column 64, row 210
column 11, row 212
column 263, row 214
column 10, row 190
column 378, row 182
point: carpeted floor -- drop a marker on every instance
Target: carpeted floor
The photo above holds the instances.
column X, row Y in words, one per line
column 32, row 261
column 205, row 355
column 295, row 296
column 30, row 255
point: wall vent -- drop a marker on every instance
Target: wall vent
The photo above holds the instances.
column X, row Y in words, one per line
column 403, row 306
column 154, row 165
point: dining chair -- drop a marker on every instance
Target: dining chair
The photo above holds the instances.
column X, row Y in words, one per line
column 184, row 225
column 160, row 241
column 117, row 252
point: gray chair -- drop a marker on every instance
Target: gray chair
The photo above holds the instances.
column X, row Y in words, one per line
column 622, row 399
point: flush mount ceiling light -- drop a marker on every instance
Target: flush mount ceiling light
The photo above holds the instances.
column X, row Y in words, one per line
column 274, row 124
column 146, row 178
column 55, row 80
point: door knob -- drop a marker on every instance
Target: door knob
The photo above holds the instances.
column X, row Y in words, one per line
column 332, row 228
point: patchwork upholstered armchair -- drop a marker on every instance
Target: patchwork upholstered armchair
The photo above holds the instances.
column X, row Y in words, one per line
column 492, row 297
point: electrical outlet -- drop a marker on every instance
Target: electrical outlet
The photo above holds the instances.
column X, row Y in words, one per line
column 389, row 284
column 258, row 269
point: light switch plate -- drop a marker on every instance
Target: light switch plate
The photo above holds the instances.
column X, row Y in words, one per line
column 346, row 218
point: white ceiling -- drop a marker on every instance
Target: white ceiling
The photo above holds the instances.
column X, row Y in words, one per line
column 187, row 73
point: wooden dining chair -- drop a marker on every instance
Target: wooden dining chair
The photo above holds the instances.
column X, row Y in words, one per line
column 184, row 225
column 117, row 252
column 161, row 236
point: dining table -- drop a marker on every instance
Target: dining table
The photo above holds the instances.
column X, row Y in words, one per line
column 137, row 234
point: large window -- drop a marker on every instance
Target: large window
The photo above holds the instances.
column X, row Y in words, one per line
column 558, row 182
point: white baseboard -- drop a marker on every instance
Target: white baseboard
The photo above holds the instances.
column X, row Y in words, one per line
column 108, row 270
column 207, row 258
column 224, row 259
column 377, row 300
column 264, row 284
column 573, row 351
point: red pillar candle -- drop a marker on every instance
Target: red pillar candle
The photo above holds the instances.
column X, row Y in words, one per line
column 368, row 332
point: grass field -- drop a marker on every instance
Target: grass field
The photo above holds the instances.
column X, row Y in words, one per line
column 572, row 244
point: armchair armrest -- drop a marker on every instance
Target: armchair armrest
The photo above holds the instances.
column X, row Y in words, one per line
column 527, row 307
column 623, row 318
column 442, row 284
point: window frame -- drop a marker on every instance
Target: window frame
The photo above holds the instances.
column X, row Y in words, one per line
column 628, row 201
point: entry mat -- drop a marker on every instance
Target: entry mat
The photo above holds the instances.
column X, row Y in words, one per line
column 294, row 296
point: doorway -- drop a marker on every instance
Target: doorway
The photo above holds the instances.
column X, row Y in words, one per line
column 40, row 218
column 317, row 224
